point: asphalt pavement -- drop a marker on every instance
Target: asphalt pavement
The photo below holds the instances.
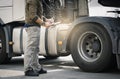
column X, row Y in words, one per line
column 60, row 68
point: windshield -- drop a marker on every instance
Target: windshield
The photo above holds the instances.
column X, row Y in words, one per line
column 110, row 3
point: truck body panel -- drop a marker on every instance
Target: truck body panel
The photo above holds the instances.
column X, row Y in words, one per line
column 52, row 36
column 96, row 9
column 12, row 10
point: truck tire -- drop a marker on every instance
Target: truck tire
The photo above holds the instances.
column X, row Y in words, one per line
column 91, row 47
column 3, row 55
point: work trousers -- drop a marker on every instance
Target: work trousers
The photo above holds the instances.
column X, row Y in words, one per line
column 31, row 60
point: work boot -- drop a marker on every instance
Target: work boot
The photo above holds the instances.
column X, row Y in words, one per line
column 31, row 73
column 42, row 71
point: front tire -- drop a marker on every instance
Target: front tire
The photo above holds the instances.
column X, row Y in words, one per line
column 91, row 48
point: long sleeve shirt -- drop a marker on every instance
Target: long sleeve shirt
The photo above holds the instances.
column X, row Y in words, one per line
column 34, row 10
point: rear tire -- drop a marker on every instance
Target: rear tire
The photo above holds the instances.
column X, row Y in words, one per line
column 91, row 48
column 3, row 55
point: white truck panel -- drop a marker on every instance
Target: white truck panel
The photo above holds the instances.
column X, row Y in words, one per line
column 52, row 40
column 42, row 41
column 16, row 40
column 24, row 38
column 12, row 10
column 6, row 14
column 6, row 7
column 55, row 34
column 19, row 38
column 18, row 10
column 96, row 9
column 6, row 3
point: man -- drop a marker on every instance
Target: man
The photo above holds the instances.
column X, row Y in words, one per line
column 33, row 22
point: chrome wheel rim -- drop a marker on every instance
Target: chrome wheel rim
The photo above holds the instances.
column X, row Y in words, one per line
column 90, row 46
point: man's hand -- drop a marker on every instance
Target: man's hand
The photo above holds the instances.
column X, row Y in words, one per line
column 48, row 24
column 51, row 20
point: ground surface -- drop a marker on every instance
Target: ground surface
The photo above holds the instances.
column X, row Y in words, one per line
column 61, row 68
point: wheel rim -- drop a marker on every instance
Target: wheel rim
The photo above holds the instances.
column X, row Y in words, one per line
column 0, row 46
column 90, row 46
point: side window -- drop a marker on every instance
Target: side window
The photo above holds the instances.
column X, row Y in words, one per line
column 110, row 3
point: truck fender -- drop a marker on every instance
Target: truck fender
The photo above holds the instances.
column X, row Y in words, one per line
column 107, row 23
column 3, row 26
column 1, row 22
column 8, row 39
column 6, row 34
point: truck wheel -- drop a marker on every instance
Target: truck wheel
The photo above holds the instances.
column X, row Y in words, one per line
column 3, row 55
column 91, row 48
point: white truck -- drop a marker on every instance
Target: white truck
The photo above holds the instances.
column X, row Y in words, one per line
column 91, row 35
